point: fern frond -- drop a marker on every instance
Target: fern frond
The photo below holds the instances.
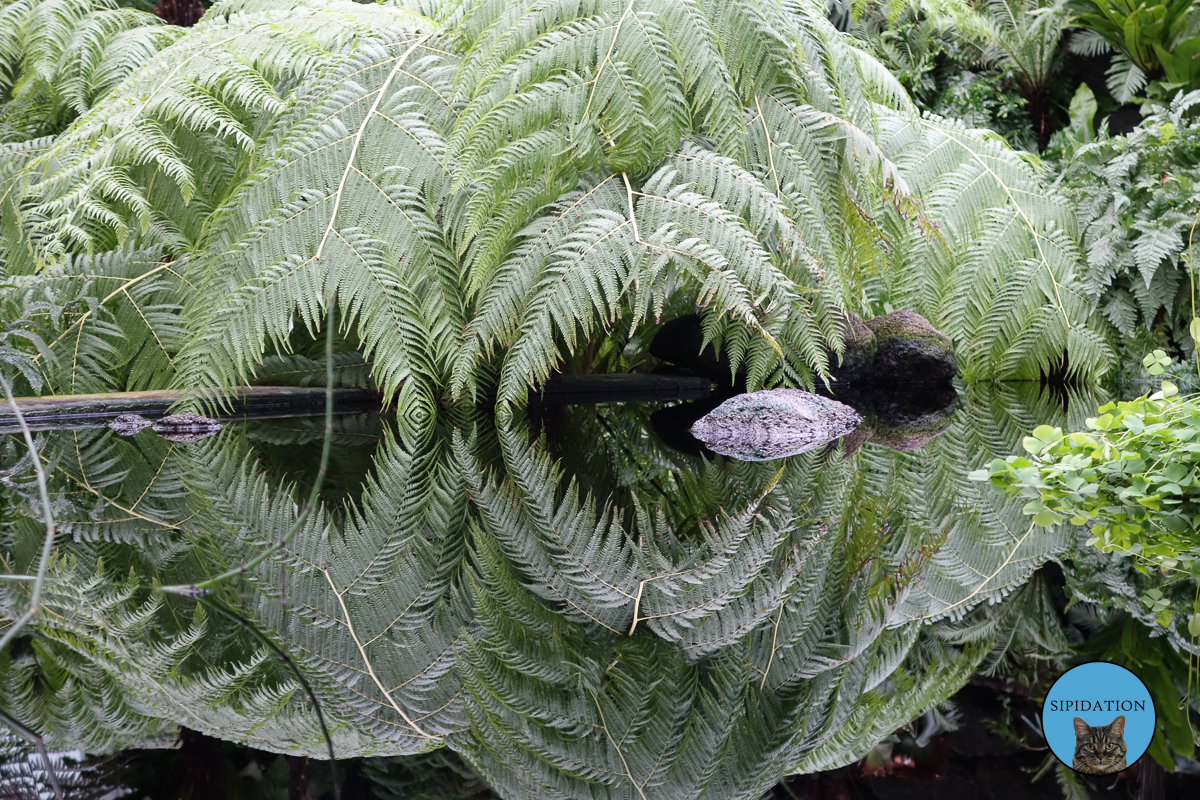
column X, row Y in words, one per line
column 996, row 217
column 367, row 236
column 111, row 322
column 208, row 87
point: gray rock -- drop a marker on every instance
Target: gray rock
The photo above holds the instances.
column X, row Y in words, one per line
column 129, row 424
column 910, row 350
column 898, row 348
column 186, row 427
column 761, row 426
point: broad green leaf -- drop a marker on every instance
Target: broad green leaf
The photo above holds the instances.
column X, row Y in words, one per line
column 1082, row 110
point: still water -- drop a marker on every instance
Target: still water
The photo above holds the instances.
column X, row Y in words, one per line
column 571, row 604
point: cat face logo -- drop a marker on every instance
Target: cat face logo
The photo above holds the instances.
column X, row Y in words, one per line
column 1081, row 721
column 1100, row 749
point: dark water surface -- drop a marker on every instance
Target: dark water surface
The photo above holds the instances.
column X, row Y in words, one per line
column 574, row 607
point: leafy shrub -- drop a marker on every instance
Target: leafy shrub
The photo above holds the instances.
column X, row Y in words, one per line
column 1134, row 475
column 987, row 100
column 958, row 62
column 1138, row 197
column 1150, row 37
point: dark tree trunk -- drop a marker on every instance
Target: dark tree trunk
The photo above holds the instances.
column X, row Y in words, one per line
column 355, row 785
column 201, row 759
column 184, row 13
column 297, row 786
column 1040, row 111
column 1151, row 780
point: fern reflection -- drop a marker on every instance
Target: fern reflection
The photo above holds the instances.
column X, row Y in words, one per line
column 671, row 626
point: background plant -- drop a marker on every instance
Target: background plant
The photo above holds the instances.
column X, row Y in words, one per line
column 1132, row 477
column 1028, row 40
column 995, row 64
column 1149, row 622
column 1152, row 39
column 1138, row 197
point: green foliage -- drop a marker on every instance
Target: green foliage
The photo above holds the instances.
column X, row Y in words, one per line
column 1138, row 198
column 474, row 597
column 991, row 64
column 1082, row 129
column 23, row 777
column 1027, row 36
column 111, row 322
column 987, row 99
column 486, row 195
column 1150, row 36
column 58, row 57
column 989, row 285
column 942, row 56
column 14, row 353
column 1132, row 476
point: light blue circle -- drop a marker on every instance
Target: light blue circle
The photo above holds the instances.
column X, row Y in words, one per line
column 1098, row 693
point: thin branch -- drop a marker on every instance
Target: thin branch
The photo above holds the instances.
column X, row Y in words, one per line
column 637, row 237
column 31, row 736
column 774, row 640
column 637, row 603
column 48, row 542
column 38, row 582
column 228, row 613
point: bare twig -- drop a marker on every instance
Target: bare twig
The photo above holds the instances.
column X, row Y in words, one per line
column 36, row 740
column 38, row 582
column 48, row 542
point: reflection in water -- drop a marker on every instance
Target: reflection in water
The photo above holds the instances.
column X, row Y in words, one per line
column 588, row 612
column 901, row 417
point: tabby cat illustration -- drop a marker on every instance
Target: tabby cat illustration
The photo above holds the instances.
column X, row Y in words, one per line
column 1100, row 749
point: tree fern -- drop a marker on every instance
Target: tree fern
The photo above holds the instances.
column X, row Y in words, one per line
column 1006, row 289
column 540, row 173
column 185, row 116
column 368, row 234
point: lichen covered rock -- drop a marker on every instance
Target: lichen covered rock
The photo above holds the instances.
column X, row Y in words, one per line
column 910, row 350
column 186, row 427
column 777, row 423
column 129, row 424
